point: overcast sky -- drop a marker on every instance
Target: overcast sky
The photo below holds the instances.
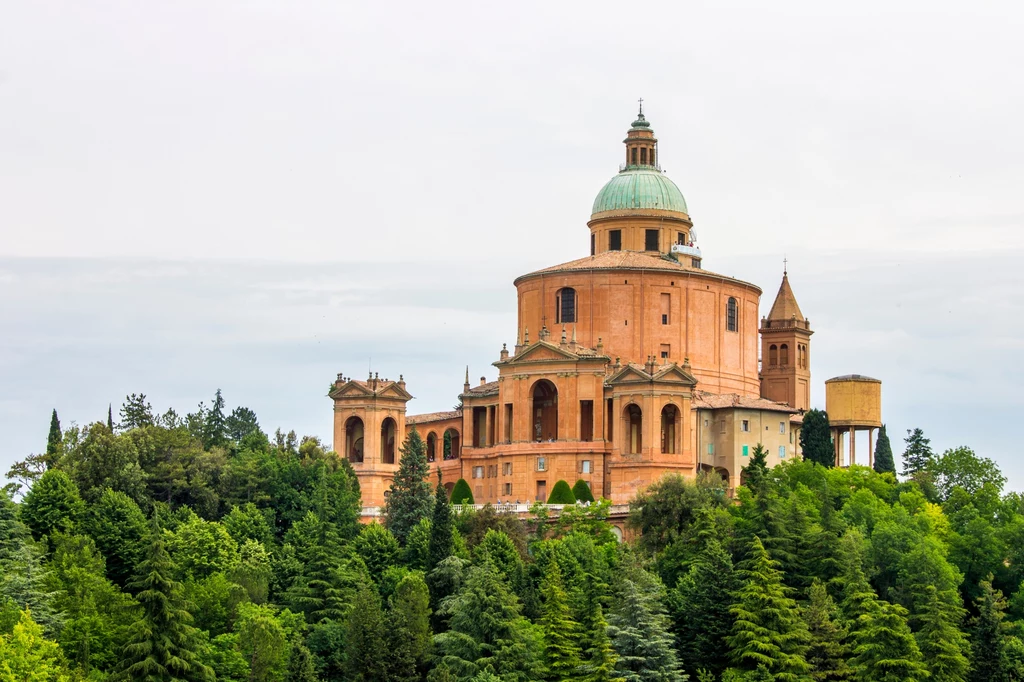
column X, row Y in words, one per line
column 257, row 195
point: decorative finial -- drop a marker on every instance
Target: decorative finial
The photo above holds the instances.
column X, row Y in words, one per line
column 785, row 266
column 467, row 374
column 641, row 106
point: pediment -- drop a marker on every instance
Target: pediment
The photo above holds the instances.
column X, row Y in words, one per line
column 542, row 350
column 675, row 374
column 628, row 375
column 394, row 391
column 351, row 390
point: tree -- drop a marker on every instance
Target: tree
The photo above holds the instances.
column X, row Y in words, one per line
column 25, row 654
column 668, row 509
column 242, row 422
column 408, row 626
column 884, row 462
column 24, row 581
column 248, row 522
column 201, row 548
column 110, row 417
column 442, row 531
column 581, row 491
column 487, row 630
column 918, row 455
column 162, row 644
column 961, row 468
column 52, row 504
column 119, row 528
column 366, row 639
column 827, row 652
column 940, row 640
column 561, row 652
column 598, row 656
column 884, row 648
column 378, row 548
column 409, row 500
column 54, row 441
column 264, row 642
column 561, row 493
column 989, row 660
column 754, row 474
column 768, row 629
column 706, row 588
column 816, row 438
column 461, row 493
column 136, row 412
column 639, row 632
column 214, row 424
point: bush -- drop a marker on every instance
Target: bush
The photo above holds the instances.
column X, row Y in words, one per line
column 561, row 494
column 461, row 494
column 581, row 491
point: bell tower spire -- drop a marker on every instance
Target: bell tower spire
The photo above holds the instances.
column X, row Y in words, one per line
column 641, row 145
column 785, row 350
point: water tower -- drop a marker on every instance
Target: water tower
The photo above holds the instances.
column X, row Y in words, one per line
column 853, row 403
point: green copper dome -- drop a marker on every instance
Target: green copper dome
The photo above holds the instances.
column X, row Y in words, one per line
column 639, row 188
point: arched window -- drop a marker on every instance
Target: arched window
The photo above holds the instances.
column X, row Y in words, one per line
column 387, row 441
column 634, row 434
column 773, row 355
column 633, row 160
column 669, row 414
column 545, row 411
column 451, row 444
column 354, row 439
column 565, row 306
column 730, row 315
column 431, row 446
column 784, row 355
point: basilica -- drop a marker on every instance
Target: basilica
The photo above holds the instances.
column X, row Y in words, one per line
column 629, row 363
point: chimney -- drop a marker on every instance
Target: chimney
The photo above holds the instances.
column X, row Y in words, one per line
column 483, row 380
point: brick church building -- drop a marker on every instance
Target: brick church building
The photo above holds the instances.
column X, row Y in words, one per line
column 629, row 363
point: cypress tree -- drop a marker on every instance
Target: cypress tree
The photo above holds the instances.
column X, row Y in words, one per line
column 706, row 589
column 884, row 461
column 581, row 491
column 561, row 653
column 366, row 639
column 442, row 530
column 54, row 441
column 639, row 630
column 918, row 454
column 940, row 640
column 768, row 629
column 561, row 493
column 816, row 438
column 110, row 417
column 461, row 493
column 827, row 652
column 989, row 660
column 162, row 644
column 409, row 500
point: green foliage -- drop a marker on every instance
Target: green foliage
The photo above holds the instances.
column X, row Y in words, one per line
column 461, row 493
column 918, row 455
column 53, row 504
column 827, row 652
column 639, row 632
column 409, row 500
column 248, row 522
column 884, row 461
column 378, row 549
column 706, row 588
column 754, row 474
column 940, row 640
column 442, row 529
column 25, row 583
column 816, row 438
column 366, row 639
column 254, row 571
column 768, row 629
column 25, row 654
column 561, row 652
column 263, row 640
column 162, row 644
column 581, row 491
column 200, row 548
column 961, row 468
column 118, row 526
column 884, row 648
column 561, row 493
column 667, row 509
column 102, row 459
column 989, row 635
column 241, row 424
column 54, row 441
column 135, row 412
column 416, row 554
column 408, row 627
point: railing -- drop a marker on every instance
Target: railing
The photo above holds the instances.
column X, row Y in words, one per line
column 785, row 324
column 507, row 508
column 686, row 250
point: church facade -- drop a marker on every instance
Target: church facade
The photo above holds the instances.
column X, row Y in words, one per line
column 629, row 363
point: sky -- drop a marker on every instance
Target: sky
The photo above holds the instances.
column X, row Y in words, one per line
column 255, row 196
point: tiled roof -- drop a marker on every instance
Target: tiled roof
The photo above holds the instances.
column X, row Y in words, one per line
column 433, row 417
column 853, row 377
column 785, row 307
column 484, row 389
column 715, row 401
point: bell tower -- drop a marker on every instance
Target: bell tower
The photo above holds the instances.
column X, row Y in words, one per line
column 785, row 351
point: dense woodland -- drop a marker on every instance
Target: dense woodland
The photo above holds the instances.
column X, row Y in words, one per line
column 198, row 548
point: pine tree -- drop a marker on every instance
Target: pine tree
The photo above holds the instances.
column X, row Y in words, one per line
column 940, row 640
column 409, row 500
column 884, row 648
column 24, row 580
column 54, row 441
column 639, row 631
column 300, row 664
column 827, row 652
column 816, row 438
column 214, row 427
column 705, row 589
column 365, row 640
column 918, row 454
column 768, row 629
column 561, row 653
column 989, row 661
column 884, row 462
column 162, row 644
column 754, row 474
column 12, row 531
column 598, row 655
column 136, row 412
column 442, row 529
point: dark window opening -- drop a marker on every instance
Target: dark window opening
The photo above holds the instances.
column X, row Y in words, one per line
column 650, row 240
column 652, row 157
column 680, row 238
column 634, row 156
column 565, row 306
column 730, row 315
column 643, row 157
column 773, row 355
column 783, row 355
column 695, row 262
column 593, row 244
column 615, row 240
column 586, row 420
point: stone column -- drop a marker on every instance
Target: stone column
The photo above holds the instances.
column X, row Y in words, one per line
column 853, row 445
column 871, row 448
